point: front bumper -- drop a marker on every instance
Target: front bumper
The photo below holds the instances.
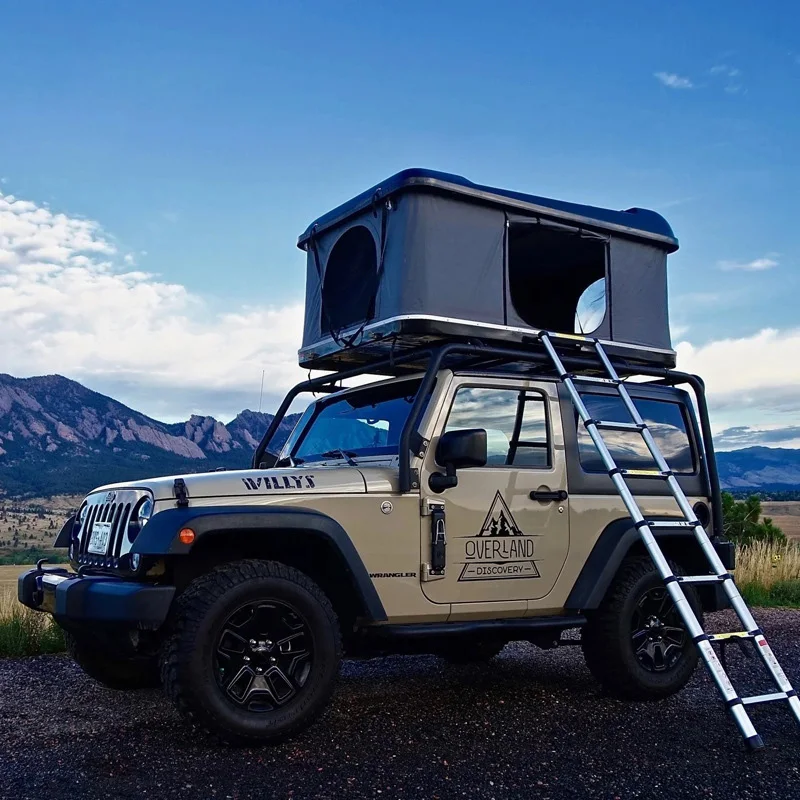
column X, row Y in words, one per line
column 79, row 599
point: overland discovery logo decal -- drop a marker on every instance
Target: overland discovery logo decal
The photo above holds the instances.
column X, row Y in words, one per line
column 500, row 550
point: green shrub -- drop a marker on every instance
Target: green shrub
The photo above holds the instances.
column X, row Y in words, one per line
column 30, row 555
column 785, row 593
column 29, row 633
column 782, row 594
column 742, row 521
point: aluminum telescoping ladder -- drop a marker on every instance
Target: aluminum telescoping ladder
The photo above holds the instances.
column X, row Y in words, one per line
column 735, row 704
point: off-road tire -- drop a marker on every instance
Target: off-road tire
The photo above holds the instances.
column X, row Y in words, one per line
column 470, row 652
column 200, row 613
column 113, row 673
column 606, row 639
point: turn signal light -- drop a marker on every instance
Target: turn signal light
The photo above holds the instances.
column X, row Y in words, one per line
column 186, row 536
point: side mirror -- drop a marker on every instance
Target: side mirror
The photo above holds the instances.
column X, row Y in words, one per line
column 457, row 450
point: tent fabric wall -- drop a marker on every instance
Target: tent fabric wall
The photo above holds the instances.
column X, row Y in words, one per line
column 441, row 255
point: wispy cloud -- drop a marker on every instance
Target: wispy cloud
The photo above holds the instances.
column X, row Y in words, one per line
column 745, row 436
column 673, row 80
column 725, row 70
column 756, row 265
column 730, row 75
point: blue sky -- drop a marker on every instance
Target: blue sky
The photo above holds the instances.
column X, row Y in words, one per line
column 201, row 138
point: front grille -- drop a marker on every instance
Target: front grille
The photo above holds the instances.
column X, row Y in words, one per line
column 117, row 507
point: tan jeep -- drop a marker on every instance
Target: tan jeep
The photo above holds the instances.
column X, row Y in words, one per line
column 449, row 510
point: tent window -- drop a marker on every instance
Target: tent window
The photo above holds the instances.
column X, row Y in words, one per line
column 556, row 275
column 351, row 280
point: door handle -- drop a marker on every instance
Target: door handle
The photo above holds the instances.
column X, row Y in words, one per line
column 545, row 495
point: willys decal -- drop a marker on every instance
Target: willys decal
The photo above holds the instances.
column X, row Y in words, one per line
column 271, row 482
column 500, row 549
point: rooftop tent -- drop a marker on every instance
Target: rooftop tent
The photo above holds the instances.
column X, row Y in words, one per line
column 428, row 256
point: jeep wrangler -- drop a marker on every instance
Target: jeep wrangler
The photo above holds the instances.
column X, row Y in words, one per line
column 448, row 509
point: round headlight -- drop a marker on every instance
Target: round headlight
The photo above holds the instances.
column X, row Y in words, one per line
column 145, row 512
column 83, row 513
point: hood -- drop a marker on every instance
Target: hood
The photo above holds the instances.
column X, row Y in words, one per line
column 315, row 479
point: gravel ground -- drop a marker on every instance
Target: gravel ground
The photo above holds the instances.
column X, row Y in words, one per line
column 529, row 724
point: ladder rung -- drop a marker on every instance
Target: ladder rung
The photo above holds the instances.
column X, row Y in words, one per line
column 764, row 698
column 594, row 379
column 575, row 337
column 678, row 523
column 700, row 578
column 615, row 426
column 721, row 637
column 644, row 473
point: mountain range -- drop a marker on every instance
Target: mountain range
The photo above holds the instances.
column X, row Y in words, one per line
column 57, row 436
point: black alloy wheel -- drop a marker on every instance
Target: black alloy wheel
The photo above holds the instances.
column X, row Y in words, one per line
column 658, row 633
column 263, row 656
column 634, row 642
column 252, row 652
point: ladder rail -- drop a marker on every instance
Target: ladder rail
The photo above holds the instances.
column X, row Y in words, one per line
column 734, row 703
column 734, row 596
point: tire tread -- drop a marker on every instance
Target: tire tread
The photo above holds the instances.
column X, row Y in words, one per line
column 191, row 606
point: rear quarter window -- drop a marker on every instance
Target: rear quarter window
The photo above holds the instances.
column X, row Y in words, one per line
column 666, row 421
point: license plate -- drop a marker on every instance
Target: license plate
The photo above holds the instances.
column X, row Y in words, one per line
column 101, row 531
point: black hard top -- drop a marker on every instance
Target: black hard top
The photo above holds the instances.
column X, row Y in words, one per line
column 635, row 222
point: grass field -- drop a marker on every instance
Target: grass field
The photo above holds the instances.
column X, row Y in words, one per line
column 786, row 515
column 33, row 522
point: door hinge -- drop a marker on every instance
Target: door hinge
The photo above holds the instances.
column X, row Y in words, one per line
column 435, row 569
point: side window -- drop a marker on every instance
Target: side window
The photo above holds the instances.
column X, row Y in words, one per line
column 515, row 422
column 666, row 421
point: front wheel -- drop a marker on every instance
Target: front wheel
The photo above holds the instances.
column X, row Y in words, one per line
column 636, row 643
column 254, row 652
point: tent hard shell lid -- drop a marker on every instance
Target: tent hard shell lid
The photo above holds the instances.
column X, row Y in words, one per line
column 427, row 257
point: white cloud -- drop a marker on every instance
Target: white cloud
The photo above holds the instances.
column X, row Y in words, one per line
column 756, row 265
column 750, row 380
column 673, row 80
column 68, row 306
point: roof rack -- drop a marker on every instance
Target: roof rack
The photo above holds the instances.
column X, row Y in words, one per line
column 532, row 361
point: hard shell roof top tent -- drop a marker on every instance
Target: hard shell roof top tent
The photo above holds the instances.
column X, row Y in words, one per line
column 426, row 256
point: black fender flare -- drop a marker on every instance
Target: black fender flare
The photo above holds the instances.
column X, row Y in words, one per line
column 159, row 537
column 601, row 566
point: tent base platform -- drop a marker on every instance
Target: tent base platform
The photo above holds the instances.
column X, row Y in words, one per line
column 377, row 341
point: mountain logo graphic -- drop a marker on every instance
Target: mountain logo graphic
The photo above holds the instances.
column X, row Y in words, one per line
column 499, row 521
column 500, row 550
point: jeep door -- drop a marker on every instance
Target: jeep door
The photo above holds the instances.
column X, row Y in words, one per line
column 504, row 547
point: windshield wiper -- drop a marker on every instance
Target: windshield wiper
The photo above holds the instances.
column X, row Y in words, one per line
column 347, row 455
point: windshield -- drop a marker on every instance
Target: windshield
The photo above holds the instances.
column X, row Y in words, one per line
column 364, row 423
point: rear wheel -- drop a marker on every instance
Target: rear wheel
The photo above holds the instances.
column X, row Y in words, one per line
column 254, row 652
column 636, row 643
column 136, row 672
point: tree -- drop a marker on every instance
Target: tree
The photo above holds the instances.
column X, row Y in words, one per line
column 742, row 522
